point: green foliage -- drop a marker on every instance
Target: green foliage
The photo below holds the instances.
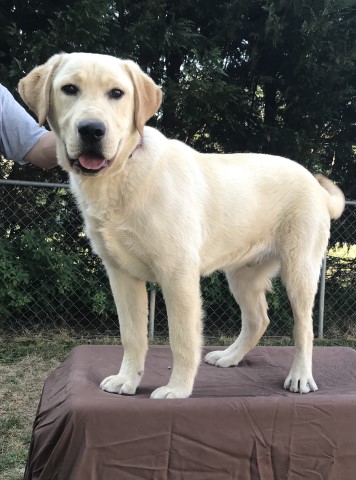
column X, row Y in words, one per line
column 42, row 282
column 13, row 277
column 48, row 274
column 340, row 299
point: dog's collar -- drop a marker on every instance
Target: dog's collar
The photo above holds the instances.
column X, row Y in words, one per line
column 139, row 145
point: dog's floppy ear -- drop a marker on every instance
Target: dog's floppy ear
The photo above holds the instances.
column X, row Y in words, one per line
column 148, row 95
column 35, row 87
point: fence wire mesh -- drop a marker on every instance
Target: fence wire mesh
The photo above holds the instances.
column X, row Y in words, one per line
column 50, row 279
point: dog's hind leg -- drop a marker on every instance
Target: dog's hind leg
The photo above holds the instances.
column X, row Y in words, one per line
column 249, row 285
column 301, row 282
column 301, row 259
column 132, row 307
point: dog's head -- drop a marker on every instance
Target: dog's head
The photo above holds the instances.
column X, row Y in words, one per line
column 97, row 105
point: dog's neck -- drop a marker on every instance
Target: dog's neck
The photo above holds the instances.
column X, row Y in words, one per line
column 139, row 145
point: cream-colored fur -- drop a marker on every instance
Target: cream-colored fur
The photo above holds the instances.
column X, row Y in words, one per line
column 162, row 212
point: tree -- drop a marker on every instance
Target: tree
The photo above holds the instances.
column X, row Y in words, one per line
column 275, row 76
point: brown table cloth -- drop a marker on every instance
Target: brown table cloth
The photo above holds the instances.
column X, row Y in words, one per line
column 239, row 424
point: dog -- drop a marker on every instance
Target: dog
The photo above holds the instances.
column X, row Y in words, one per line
column 156, row 210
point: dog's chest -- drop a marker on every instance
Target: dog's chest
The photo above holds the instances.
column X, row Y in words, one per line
column 120, row 245
column 115, row 238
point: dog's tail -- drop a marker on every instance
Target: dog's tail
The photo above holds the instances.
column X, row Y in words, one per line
column 336, row 199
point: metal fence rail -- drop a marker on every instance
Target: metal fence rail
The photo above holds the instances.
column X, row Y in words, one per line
column 50, row 279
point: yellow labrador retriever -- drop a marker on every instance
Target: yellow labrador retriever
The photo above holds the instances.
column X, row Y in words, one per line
column 156, row 210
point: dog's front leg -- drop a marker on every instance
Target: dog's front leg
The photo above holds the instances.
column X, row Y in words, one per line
column 132, row 307
column 182, row 296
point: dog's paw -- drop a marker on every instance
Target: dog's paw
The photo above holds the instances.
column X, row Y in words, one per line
column 170, row 392
column 117, row 384
column 302, row 383
column 227, row 361
column 213, row 357
column 219, row 358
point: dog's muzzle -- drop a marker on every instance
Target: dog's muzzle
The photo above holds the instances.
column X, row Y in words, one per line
column 91, row 161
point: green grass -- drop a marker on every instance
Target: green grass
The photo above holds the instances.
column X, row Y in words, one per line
column 56, row 348
column 25, row 363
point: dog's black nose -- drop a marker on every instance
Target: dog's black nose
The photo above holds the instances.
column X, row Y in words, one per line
column 91, row 131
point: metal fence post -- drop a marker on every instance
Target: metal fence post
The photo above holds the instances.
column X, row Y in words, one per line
column 151, row 317
column 322, row 299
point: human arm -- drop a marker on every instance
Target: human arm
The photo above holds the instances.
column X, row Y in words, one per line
column 43, row 153
column 21, row 139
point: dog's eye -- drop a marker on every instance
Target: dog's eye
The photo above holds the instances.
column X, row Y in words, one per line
column 70, row 89
column 116, row 93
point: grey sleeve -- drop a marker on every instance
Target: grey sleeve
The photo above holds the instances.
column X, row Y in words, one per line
column 18, row 130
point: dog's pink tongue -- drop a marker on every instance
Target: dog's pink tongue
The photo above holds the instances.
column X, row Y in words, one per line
column 90, row 162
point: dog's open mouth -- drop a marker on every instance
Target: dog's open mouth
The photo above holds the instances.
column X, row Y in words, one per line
column 90, row 163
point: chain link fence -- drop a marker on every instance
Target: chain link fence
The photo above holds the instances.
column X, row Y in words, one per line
column 51, row 280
